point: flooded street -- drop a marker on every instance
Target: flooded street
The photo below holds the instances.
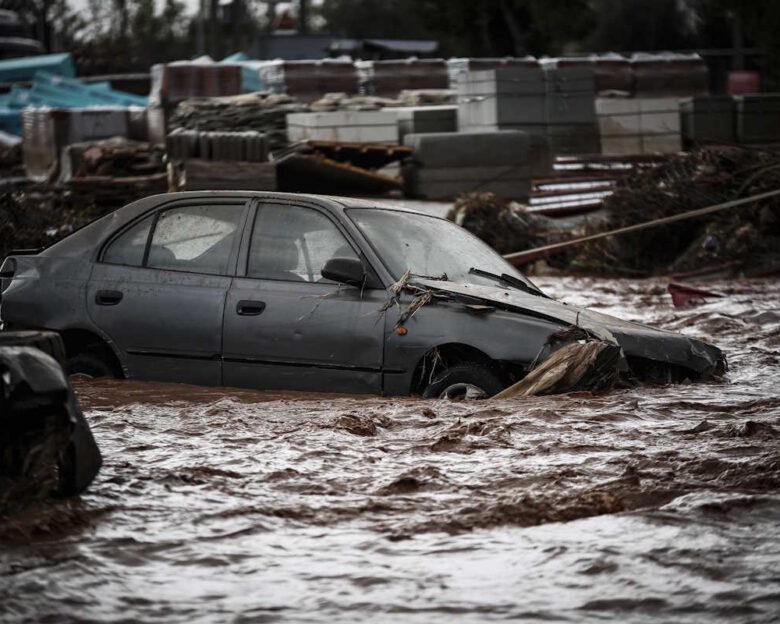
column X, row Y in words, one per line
column 648, row 504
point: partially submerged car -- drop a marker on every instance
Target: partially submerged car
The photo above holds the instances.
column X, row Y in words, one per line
column 303, row 292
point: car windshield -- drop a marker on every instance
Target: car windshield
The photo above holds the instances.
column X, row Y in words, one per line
column 430, row 246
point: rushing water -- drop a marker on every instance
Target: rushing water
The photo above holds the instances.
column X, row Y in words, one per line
column 649, row 504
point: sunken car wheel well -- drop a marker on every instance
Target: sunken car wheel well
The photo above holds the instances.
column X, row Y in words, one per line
column 446, row 356
column 88, row 351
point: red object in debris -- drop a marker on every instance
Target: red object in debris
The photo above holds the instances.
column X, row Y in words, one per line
column 684, row 295
column 743, row 83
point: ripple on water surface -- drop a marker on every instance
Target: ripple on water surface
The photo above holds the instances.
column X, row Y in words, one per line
column 219, row 504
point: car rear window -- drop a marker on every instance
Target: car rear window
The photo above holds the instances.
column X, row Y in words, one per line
column 195, row 238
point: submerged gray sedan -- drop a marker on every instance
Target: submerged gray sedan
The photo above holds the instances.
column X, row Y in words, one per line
column 304, row 292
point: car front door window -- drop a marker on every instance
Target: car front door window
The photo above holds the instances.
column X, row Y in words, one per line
column 292, row 243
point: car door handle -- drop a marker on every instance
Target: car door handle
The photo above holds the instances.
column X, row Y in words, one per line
column 250, row 308
column 108, row 297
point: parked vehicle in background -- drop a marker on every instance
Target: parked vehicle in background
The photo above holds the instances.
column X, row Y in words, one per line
column 296, row 292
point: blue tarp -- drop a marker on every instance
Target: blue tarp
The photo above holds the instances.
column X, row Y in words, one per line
column 86, row 95
column 238, row 57
column 20, row 69
column 58, row 91
column 250, row 74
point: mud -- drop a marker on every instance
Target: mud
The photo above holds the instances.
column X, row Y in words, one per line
column 645, row 504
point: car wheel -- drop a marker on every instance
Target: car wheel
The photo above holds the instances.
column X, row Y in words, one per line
column 89, row 366
column 462, row 381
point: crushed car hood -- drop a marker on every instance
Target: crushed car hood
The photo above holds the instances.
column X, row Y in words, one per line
column 636, row 340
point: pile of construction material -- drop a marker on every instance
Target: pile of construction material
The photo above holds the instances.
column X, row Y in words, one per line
column 250, row 145
column 388, row 78
column 261, row 112
column 46, row 133
column 458, row 67
column 219, row 160
column 307, row 81
column 553, row 103
column 116, row 157
column 639, row 125
column 425, row 119
column 173, row 83
column 348, row 126
column 444, row 165
column 48, row 81
column 344, row 101
column 746, row 239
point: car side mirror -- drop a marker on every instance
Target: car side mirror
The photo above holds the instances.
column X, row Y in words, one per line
column 345, row 271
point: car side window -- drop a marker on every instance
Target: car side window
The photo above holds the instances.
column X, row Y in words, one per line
column 129, row 247
column 195, row 238
column 293, row 243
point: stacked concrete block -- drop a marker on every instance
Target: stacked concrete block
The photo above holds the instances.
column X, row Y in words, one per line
column 249, row 146
column 388, row 78
column 46, row 132
column 444, row 165
column 307, row 81
column 707, row 119
column 758, row 118
column 425, row 119
column 555, row 103
column 457, row 68
column 639, row 126
column 570, row 112
column 612, row 72
column 659, row 122
column 345, row 126
column 619, row 129
column 669, row 75
column 502, row 99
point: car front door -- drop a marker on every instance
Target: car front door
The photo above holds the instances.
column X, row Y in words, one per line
column 158, row 290
column 286, row 327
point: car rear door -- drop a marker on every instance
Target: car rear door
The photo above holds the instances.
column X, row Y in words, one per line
column 158, row 289
column 288, row 328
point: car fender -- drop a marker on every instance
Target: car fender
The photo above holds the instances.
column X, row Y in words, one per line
column 501, row 335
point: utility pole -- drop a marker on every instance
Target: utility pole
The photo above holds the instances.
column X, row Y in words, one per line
column 303, row 16
column 214, row 28
column 201, row 45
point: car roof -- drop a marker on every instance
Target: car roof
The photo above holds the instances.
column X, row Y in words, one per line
column 92, row 233
column 347, row 202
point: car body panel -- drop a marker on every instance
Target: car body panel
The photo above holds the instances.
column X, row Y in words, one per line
column 168, row 325
column 309, row 336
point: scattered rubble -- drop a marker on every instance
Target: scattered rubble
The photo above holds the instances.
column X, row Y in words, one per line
column 506, row 226
column 592, row 366
column 264, row 112
column 36, row 215
column 742, row 240
column 116, row 156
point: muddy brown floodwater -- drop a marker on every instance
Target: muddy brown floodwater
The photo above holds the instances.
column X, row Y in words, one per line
column 650, row 504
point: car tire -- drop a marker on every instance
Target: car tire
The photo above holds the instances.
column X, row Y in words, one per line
column 464, row 375
column 89, row 366
column 47, row 341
